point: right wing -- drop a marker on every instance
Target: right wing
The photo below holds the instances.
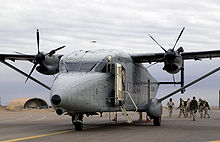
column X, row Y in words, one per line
column 14, row 57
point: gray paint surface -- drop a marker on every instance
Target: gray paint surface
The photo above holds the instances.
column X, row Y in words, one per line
column 92, row 91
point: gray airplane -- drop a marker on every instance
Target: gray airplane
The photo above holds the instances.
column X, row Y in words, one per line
column 92, row 82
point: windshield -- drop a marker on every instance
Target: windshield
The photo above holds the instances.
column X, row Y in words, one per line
column 87, row 66
column 79, row 66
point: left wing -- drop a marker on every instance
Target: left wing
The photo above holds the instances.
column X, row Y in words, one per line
column 159, row 57
column 200, row 55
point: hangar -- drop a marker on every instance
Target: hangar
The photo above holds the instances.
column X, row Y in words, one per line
column 34, row 103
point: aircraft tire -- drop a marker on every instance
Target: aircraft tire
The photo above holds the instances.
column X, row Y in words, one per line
column 78, row 126
column 157, row 121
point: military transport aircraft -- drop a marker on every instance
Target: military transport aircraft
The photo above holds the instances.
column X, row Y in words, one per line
column 92, row 82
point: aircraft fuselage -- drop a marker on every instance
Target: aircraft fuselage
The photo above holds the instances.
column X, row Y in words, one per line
column 86, row 83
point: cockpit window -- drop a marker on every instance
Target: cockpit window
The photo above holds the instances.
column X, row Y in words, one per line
column 62, row 67
column 87, row 66
column 101, row 67
column 79, row 66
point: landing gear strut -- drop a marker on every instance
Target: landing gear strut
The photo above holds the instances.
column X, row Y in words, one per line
column 157, row 121
column 77, row 120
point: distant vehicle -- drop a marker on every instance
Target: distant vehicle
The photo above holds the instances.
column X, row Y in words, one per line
column 92, row 82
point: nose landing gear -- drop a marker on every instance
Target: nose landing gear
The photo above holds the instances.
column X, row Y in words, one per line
column 77, row 120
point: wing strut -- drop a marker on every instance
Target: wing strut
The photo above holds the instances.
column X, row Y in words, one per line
column 189, row 84
column 20, row 71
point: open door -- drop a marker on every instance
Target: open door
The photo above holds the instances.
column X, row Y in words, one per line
column 119, row 84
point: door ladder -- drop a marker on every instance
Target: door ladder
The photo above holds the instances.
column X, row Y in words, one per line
column 123, row 109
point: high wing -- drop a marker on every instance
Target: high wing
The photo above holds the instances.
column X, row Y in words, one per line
column 14, row 57
column 200, row 55
column 159, row 57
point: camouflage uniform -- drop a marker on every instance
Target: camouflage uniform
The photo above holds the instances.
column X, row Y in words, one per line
column 206, row 108
column 201, row 107
column 188, row 112
column 182, row 108
column 193, row 108
column 170, row 105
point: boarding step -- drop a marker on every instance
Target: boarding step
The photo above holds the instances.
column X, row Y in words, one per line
column 126, row 114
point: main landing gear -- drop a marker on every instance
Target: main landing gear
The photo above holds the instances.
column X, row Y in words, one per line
column 157, row 121
column 77, row 120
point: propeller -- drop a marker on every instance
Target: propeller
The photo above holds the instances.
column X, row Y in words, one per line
column 157, row 43
column 178, row 38
column 39, row 58
column 170, row 54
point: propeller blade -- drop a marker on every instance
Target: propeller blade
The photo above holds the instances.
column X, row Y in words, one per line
column 54, row 51
column 38, row 38
column 178, row 38
column 31, row 72
column 174, row 80
column 157, row 43
column 173, row 76
column 59, row 48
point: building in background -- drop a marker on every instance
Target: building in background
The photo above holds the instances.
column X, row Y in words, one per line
column 33, row 103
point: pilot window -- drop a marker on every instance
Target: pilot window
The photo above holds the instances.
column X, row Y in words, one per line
column 62, row 67
column 87, row 66
column 72, row 66
column 79, row 67
column 101, row 67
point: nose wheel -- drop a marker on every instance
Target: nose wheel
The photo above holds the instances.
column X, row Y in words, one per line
column 77, row 120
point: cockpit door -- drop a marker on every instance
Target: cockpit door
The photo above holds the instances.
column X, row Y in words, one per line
column 119, row 84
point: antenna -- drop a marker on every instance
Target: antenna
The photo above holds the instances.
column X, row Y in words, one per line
column 93, row 45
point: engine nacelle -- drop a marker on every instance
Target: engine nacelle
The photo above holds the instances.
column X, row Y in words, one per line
column 154, row 108
column 49, row 66
column 172, row 62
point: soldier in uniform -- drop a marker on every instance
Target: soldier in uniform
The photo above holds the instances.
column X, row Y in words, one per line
column 188, row 112
column 206, row 108
column 193, row 108
column 200, row 107
column 170, row 105
column 182, row 108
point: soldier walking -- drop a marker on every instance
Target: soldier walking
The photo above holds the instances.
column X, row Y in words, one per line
column 193, row 108
column 188, row 112
column 182, row 108
column 200, row 107
column 170, row 105
column 206, row 109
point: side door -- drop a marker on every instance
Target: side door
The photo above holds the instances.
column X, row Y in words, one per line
column 119, row 84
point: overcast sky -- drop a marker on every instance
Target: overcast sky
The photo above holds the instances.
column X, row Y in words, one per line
column 123, row 25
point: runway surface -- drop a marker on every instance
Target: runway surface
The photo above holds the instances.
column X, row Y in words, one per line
column 40, row 126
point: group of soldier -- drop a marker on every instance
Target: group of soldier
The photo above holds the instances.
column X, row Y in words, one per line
column 189, row 108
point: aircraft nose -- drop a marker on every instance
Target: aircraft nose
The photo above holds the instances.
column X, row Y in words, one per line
column 74, row 92
column 56, row 99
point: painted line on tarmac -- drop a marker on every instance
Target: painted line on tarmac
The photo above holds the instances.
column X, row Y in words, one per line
column 215, row 141
column 44, row 135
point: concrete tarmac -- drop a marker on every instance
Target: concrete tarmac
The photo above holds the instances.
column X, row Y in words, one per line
column 38, row 126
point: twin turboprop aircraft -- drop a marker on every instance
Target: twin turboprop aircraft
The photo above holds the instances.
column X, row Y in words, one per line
column 92, row 82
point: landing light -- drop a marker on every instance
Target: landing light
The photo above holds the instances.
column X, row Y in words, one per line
column 56, row 99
